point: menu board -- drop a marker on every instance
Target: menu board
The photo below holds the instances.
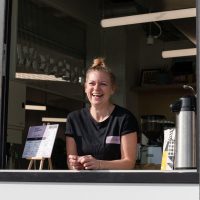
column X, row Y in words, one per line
column 40, row 141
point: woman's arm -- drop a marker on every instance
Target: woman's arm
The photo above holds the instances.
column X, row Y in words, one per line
column 72, row 155
column 128, row 156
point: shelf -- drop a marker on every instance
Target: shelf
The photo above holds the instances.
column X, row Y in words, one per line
column 164, row 88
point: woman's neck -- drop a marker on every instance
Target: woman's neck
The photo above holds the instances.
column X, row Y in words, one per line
column 101, row 113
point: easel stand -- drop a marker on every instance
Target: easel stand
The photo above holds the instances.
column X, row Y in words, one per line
column 33, row 163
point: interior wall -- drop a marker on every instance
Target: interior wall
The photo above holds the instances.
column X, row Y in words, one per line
column 114, row 50
column 139, row 56
column 133, row 50
column 16, row 113
column 157, row 102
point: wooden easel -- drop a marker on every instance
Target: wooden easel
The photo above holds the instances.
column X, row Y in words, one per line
column 39, row 147
column 33, row 163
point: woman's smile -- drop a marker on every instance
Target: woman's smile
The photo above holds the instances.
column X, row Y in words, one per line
column 98, row 87
column 97, row 95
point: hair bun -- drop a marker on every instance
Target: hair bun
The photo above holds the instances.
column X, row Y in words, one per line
column 98, row 62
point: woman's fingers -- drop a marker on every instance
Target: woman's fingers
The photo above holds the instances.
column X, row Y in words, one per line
column 84, row 159
column 89, row 162
column 83, row 162
column 73, row 161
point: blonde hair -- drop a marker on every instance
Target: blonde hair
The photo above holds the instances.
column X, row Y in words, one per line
column 99, row 65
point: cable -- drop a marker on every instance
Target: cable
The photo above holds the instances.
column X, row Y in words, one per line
column 160, row 30
column 190, row 88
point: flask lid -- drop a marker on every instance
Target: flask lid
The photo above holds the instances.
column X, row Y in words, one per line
column 186, row 103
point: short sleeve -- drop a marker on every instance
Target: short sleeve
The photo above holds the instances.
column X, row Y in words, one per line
column 130, row 124
column 68, row 131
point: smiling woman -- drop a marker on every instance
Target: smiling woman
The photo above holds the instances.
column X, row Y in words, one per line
column 101, row 115
column 103, row 136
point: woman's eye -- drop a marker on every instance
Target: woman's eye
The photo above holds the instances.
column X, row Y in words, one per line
column 100, row 84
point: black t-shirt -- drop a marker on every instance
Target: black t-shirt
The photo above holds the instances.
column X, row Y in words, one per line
column 100, row 139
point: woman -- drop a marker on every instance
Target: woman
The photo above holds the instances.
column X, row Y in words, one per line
column 103, row 136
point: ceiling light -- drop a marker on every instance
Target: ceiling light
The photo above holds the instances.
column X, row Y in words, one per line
column 34, row 107
column 179, row 53
column 149, row 17
column 54, row 119
column 150, row 39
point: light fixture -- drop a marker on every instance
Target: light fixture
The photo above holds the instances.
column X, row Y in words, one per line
column 43, row 77
column 54, row 119
column 179, row 53
column 150, row 36
column 149, row 17
column 34, row 107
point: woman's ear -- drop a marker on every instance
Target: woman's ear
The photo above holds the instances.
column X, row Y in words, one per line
column 113, row 90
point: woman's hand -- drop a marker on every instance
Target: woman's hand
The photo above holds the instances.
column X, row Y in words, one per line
column 74, row 163
column 89, row 162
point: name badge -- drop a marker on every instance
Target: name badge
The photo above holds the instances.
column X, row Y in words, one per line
column 113, row 140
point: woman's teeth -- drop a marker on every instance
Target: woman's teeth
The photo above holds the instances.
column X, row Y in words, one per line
column 97, row 95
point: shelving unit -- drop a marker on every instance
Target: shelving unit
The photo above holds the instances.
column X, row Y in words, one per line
column 163, row 88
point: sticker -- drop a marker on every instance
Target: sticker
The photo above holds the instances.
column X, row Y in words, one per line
column 113, row 140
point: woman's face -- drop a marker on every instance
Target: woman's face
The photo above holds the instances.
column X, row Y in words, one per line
column 98, row 87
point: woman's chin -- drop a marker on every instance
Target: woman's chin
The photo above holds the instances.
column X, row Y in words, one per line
column 96, row 103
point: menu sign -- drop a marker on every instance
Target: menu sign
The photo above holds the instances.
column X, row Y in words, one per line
column 40, row 141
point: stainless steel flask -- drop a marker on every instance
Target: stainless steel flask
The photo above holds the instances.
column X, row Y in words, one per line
column 185, row 147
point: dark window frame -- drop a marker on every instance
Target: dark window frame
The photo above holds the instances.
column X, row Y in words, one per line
column 146, row 176
column 135, row 176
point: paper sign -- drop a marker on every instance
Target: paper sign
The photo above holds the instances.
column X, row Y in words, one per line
column 40, row 141
column 168, row 149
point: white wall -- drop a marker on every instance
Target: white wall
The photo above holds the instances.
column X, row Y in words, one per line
column 87, row 191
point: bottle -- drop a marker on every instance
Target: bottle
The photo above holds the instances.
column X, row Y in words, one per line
column 185, row 146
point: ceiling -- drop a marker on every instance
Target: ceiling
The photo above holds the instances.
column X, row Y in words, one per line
column 171, row 30
column 150, row 5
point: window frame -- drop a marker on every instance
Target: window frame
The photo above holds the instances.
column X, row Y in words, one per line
column 111, row 176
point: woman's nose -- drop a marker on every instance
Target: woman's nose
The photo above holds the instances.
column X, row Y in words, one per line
column 97, row 86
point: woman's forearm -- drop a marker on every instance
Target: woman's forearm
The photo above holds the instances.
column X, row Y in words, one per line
column 123, row 164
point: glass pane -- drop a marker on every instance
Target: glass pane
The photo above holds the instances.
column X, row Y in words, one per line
column 48, row 62
column 52, row 44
